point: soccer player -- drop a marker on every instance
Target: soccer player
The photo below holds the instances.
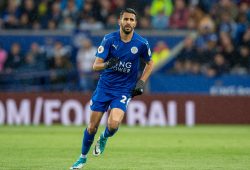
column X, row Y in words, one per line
column 118, row 57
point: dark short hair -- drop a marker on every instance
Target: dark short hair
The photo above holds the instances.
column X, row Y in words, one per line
column 128, row 10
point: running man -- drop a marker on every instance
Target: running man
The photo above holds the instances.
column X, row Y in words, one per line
column 118, row 57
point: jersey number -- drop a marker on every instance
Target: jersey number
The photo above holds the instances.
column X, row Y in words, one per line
column 123, row 100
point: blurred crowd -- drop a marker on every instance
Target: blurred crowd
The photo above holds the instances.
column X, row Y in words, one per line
column 222, row 45
column 64, row 14
column 52, row 63
column 99, row 14
column 223, row 41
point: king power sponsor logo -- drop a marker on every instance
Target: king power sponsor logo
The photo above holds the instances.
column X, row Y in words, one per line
column 73, row 112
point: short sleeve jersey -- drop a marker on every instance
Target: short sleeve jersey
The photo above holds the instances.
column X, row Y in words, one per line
column 123, row 76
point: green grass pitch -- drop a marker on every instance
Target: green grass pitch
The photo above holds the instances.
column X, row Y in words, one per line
column 132, row 148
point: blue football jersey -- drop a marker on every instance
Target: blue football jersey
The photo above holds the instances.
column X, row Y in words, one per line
column 123, row 76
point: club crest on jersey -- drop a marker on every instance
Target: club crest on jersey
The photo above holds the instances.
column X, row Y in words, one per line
column 134, row 50
column 100, row 49
column 149, row 52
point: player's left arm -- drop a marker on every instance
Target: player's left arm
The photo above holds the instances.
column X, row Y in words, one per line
column 147, row 71
column 139, row 88
column 146, row 56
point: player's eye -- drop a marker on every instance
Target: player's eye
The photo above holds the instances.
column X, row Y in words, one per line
column 129, row 19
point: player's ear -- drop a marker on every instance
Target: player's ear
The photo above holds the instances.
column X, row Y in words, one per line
column 119, row 21
column 135, row 22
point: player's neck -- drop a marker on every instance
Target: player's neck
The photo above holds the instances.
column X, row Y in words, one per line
column 126, row 37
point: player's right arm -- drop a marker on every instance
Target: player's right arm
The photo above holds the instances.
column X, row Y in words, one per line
column 101, row 61
column 99, row 64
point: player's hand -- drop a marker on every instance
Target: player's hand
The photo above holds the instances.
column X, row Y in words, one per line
column 139, row 88
column 111, row 62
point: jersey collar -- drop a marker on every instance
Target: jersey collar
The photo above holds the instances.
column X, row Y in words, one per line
column 128, row 41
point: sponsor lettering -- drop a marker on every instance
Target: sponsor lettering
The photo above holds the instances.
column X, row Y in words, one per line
column 124, row 67
column 73, row 112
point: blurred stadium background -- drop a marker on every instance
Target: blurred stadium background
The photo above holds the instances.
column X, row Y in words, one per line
column 201, row 50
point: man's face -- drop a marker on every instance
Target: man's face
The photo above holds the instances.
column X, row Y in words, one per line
column 127, row 22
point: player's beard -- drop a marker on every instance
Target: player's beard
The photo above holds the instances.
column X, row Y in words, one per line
column 127, row 31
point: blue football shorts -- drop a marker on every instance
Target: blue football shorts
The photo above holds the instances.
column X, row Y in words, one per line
column 103, row 100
